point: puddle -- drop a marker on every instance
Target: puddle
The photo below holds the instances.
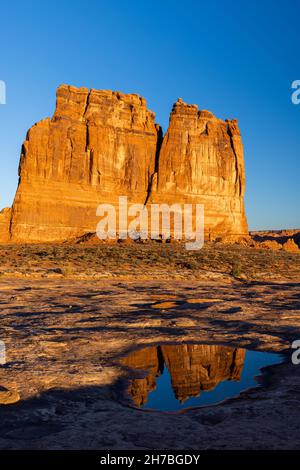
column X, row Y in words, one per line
column 175, row 377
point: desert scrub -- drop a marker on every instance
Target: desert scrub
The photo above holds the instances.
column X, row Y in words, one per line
column 67, row 270
column 187, row 264
column 236, row 270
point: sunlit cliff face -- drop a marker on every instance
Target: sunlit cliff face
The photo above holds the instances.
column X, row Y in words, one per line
column 101, row 144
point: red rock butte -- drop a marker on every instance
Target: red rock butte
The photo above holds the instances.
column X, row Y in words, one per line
column 102, row 144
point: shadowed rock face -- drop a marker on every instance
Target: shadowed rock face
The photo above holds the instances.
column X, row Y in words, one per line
column 100, row 145
column 193, row 368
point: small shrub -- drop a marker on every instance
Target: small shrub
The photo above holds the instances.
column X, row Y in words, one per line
column 236, row 270
column 67, row 271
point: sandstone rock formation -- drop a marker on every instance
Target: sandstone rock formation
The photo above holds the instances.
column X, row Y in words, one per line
column 201, row 161
column 269, row 244
column 193, row 368
column 144, row 359
column 291, row 246
column 5, row 216
column 8, row 397
column 97, row 146
column 100, row 145
column 287, row 240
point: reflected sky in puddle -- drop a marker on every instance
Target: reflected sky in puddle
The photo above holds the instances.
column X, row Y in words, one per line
column 175, row 377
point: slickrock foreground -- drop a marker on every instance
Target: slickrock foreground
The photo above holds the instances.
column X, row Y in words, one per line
column 101, row 144
column 65, row 339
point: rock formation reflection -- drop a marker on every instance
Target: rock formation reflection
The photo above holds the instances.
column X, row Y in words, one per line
column 193, row 368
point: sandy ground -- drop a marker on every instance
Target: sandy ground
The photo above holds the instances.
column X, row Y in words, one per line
column 64, row 339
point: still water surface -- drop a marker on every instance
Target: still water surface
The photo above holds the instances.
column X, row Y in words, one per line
column 175, row 377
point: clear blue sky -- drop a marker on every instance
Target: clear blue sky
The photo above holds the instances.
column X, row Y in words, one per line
column 235, row 58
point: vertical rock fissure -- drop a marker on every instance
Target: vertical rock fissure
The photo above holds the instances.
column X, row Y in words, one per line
column 237, row 185
column 159, row 142
column 86, row 104
column 160, row 360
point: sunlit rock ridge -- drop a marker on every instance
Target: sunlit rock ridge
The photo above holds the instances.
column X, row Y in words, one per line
column 102, row 144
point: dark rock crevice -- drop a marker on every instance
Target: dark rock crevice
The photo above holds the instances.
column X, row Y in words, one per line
column 159, row 142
